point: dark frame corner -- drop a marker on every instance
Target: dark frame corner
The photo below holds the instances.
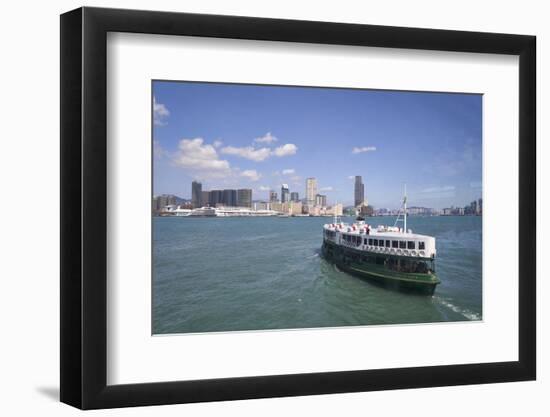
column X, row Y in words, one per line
column 83, row 207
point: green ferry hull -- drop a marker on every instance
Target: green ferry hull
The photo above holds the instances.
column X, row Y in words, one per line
column 348, row 260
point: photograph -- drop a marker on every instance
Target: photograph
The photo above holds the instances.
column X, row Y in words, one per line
column 300, row 207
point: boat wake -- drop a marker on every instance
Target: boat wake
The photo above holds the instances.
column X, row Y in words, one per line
column 470, row 315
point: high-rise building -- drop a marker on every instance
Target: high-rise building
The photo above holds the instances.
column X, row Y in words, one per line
column 294, row 196
column 479, row 207
column 273, row 197
column 285, row 193
column 229, row 198
column 205, row 198
column 320, row 200
column 244, row 197
column 311, row 190
column 359, row 191
column 216, row 197
column 196, row 194
column 161, row 201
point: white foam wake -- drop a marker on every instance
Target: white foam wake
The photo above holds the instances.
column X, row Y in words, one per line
column 470, row 315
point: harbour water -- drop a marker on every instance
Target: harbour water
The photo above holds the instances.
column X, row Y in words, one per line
column 227, row 274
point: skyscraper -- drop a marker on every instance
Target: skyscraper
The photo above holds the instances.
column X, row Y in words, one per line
column 294, row 196
column 321, row 200
column 161, row 201
column 205, row 198
column 285, row 193
column 311, row 190
column 216, row 197
column 196, row 194
column 273, row 196
column 244, row 197
column 229, row 198
column 359, row 191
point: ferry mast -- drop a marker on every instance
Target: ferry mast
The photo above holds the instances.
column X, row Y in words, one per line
column 404, row 206
column 405, row 210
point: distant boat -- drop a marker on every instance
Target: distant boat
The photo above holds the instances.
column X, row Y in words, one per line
column 392, row 256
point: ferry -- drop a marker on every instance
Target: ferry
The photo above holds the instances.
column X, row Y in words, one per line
column 390, row 255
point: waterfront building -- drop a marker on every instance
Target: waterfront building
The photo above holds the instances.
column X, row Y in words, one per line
column 294, row 196
column 311, row 190
column 205, row 198
column 295, row 208
column 359, row 191
column 216, row 197
column 320, row 200
column 196, row 194
column 335, row 210
column 314, row 211
column 229, row 198
column 479, row 211
column 273, row 197
column 261, row 205
column 277, row 206
column 285, row 193
column 244, row 197
column 162, row 201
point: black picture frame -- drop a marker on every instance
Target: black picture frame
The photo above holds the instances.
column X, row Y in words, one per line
column 84, row 207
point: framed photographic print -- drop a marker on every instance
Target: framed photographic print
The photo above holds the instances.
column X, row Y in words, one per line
column 258, row 207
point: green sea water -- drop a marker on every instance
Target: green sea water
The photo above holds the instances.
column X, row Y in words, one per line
column 227, row 274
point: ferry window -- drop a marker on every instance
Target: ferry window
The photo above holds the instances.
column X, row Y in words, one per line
column 375, row 242
column 366, row 241
column 402, row 244
column 370, row 242
column 394, row 244
column 410, row 244
column 381, row 242
column 387, row 243
column 421, row 245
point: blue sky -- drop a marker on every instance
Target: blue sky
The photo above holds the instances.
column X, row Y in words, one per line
column 259, row 137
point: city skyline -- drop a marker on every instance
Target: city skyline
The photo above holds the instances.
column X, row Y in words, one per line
column 260, row 137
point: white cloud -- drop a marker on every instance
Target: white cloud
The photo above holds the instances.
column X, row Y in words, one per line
column 363, row 149
column 289, row 171
column 329, row 188
column 160, row 113
column 443, row 189
column 351, row 177
column 248, row 152
column 259, row 154
column 251, row 174
column 267, row 138
column 217, row 143
column 285, row 150
column 198, row 157
column 264, row 188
